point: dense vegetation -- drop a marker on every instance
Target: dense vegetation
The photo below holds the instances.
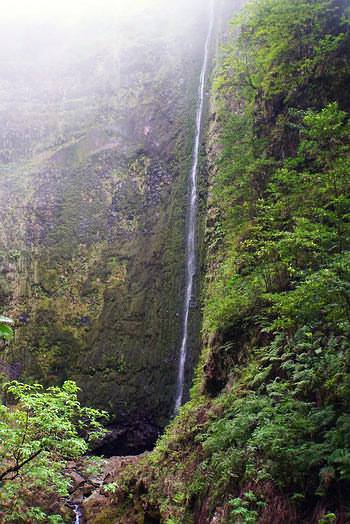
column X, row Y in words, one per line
column 266, row 436
column 38, row 435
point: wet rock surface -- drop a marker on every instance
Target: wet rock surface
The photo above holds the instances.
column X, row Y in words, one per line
column 129, row 438
column 88, row 491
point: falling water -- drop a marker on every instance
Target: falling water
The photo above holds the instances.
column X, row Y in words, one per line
column 192, row 220
column 77, row 514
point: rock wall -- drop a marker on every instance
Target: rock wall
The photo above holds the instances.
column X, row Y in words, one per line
column 93, row 181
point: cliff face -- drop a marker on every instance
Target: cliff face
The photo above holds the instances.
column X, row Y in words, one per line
column 93, row 183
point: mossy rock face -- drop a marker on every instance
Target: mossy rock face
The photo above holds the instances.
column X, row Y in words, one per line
column 92, row 260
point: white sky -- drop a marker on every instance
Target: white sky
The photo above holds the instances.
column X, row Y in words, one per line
column 67, row 9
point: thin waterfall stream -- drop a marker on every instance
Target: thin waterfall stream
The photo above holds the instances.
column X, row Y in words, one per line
column 77, row 514
column 191, row 257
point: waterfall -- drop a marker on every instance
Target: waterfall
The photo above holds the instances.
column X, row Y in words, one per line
column 192, row 220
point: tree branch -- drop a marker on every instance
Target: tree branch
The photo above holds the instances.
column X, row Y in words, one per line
column 18, row 467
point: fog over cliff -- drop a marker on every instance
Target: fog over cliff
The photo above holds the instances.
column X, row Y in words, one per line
column 52, row 53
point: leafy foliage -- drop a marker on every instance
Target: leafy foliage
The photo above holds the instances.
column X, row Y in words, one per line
column 6, row 332
column 285, row 268
column 38, row 434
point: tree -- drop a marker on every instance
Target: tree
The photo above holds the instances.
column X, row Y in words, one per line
column 38, row 434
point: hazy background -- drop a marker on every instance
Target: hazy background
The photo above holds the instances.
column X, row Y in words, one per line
column 59, row 60
column 75, row 8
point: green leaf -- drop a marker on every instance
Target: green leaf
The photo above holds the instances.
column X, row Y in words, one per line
column 6, row 332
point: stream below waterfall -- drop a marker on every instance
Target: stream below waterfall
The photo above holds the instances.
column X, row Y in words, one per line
column 77, row 514
column 192, row 220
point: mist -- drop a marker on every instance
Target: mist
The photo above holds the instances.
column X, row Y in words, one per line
column 60, row 62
